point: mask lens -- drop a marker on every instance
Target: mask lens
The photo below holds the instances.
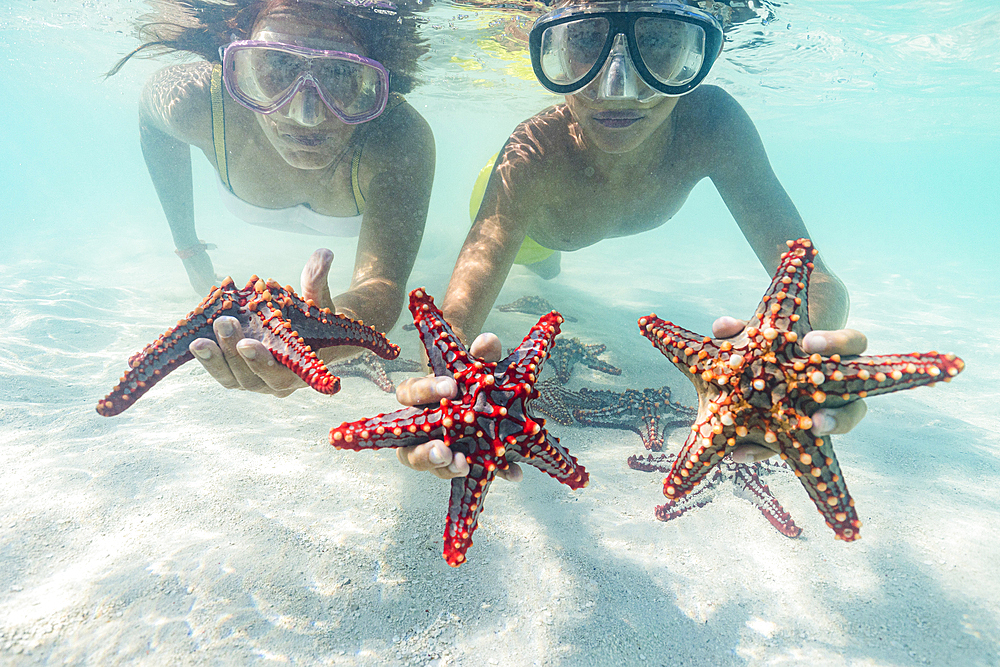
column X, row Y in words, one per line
column 570, row 50
column 354, row 88
column 264, row 75
column 673, row 51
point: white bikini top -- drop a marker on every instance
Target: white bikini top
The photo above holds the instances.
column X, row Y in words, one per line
column 299, row 219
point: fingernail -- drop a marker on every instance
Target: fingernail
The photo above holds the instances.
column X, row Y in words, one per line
column 743, row 457
column 817, row 343
column 249, row 352
column 443, row 386
column 202, row 353
column 436, row 456
column 225, row 328
column 823, row 423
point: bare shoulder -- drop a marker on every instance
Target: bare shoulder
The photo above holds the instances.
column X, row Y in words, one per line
column 400, row 134
column 177, row 100
column 538, row 146
column 710, row 112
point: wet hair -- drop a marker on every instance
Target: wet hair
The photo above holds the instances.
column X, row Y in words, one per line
column 387, row 31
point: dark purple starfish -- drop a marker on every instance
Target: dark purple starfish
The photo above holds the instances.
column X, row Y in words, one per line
column 745, row 480
column 567, row 353
column 368, row 366
column 647, row 412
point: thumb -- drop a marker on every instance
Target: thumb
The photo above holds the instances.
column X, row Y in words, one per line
column 314, row 278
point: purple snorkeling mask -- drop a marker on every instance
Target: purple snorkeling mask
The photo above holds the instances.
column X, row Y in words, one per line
column 265, row 76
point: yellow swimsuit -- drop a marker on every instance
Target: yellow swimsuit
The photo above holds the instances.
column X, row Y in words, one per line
column 531, row 251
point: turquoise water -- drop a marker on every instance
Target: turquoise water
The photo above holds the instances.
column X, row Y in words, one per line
column 206, row 526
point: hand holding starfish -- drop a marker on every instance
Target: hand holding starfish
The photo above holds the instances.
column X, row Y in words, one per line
column 826, row 421
column 237, row 362
column 436, row 456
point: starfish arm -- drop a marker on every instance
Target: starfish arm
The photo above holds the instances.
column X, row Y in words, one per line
column 815, row 464
column 169, row 351
column 365, row 365
column 546, row 454
column 446, row 354
column 750, row 486
column 291, row 351
column 673, row 509
column 696, row 459
column 552, row 401
column 603, row 367
column 865, row 376
column 682, row 347
column 402, row 428
column 652, row 462
column 524, row 364
column 464, row 507
column 563, row 368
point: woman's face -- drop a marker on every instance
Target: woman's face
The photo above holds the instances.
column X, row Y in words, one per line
column 304, row 132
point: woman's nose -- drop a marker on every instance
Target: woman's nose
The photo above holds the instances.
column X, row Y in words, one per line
column 306, row 108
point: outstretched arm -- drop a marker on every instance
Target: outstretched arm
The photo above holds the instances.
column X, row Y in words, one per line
column 763, row 210
column 768, row 218
column 397, row 172
column 172, row 116
column 489, row 250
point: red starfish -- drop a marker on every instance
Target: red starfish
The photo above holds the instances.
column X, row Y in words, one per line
column 287, row 325
column 761, row 386
column 488, row 421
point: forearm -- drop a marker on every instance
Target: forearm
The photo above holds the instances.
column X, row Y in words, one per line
column 475, row 283
column 829, row 302
column 169, row 163
column 377, row 302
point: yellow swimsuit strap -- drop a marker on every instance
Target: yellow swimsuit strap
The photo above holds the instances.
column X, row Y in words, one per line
column 219, row 125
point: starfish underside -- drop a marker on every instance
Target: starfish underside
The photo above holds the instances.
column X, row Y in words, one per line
column 288, row 326
column 489, row 420
column 760, row 386
column 745, row 480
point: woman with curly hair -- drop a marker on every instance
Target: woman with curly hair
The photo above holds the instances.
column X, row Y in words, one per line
column 297, row 104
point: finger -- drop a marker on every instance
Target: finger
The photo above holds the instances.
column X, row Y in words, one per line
column 847, row 342
column 424, row 390
column 487, row 347
column 513, row 473
column 727, row 327
column 228, row 333
column 436, row 457
column 211, row 358
column 747, row 454
column 459, row 467
column 831, row 421
column 259, row 360
column 315, row 275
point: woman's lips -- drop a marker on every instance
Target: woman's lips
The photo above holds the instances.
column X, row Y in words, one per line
column 616, row 120
column 306, row 139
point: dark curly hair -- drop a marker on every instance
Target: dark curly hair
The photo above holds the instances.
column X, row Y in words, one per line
column 386, row 30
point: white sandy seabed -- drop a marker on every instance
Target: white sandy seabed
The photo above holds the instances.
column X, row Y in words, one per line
column 206, row 526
